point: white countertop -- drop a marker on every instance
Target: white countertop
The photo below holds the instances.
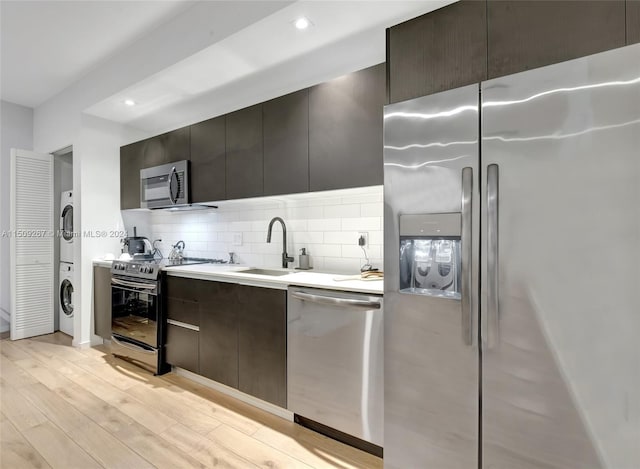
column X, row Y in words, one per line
column 235, row 274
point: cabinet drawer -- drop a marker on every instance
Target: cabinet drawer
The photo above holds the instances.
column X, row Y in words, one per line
column 183, row 311
column 182, row 288
column 182, row 347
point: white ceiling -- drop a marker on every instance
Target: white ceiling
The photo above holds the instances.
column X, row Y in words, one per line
column 245, row 51
column 47, row 45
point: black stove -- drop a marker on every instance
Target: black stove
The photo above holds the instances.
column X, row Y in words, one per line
column 149, row 268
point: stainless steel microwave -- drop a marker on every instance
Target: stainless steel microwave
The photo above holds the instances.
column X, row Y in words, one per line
column 165, row 186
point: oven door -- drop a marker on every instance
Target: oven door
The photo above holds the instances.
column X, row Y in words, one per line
column 135, row 310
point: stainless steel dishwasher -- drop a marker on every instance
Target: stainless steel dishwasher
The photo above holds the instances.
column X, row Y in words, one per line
column 335, row 364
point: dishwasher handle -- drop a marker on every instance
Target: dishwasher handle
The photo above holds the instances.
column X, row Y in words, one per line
column 335, row 301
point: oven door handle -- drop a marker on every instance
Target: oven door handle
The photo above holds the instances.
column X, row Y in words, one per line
column 131, row 346
column 125, row 283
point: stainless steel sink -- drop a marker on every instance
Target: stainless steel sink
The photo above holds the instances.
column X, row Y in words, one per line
column 272, row 273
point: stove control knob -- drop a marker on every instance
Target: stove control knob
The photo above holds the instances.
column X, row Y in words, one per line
column 150, row 270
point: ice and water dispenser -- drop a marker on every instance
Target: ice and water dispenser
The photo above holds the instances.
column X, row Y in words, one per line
column 430, row 254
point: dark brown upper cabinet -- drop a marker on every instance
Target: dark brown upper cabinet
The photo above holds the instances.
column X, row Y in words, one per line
column 527, row 34
column 168, row 147
column 131, row 162
column 441, row 50
column 633, row 21
column 345, row 130
column 244, row 172
column 286, row 144
column 208, row 160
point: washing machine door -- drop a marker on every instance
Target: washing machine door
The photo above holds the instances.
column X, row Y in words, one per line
column 66, row 224
column 66, row 297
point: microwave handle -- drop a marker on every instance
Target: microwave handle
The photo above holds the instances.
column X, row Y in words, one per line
column 173, row 174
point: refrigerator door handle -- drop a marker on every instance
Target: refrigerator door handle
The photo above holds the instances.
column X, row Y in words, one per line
column 467, row 210
column 493, row 313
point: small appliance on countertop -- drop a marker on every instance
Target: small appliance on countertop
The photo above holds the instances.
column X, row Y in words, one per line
column 303, row 260
column 137, row 244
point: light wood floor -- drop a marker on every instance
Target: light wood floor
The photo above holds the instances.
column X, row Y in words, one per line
column 82, row 408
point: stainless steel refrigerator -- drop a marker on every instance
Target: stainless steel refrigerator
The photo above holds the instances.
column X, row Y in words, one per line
column 512, row 271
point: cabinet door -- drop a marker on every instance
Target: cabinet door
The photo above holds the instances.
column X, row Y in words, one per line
column 286, row 144
column 244, row 153
column 102, row 301
column 168, row 147
column 219, row 332
column 633, row 21
column 208, row 165
column 345, row 130
column 182, row 347
column 527, row 34
column 441, row 50
column 131, row 162
column 262, row 344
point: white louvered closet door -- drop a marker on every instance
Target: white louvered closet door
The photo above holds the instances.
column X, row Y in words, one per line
column 32, row 269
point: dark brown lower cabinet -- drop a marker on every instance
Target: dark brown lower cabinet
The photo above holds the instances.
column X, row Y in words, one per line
column 102, row 301
column 219, row 332
column 182, row 348
column 262, row 337
column 242, row 337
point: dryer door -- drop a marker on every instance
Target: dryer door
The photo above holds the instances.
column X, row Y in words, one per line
column 66, row 297
column 66, row 223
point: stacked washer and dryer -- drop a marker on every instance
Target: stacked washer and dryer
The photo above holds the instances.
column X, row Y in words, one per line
column 65, row 299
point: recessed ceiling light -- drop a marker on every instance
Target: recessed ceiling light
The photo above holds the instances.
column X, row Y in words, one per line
column 129, row 102
column 302, row 23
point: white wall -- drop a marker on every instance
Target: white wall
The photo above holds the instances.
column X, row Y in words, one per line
column 326, row 223
column 16, row 123
column 96, row 182
column 96, row 209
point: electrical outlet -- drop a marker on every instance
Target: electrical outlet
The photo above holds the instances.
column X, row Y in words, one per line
column 363, row 238
column 237, row 239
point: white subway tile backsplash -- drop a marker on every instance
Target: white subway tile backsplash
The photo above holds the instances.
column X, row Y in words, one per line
column 296, row 213
column 376, row 237
column 371, row 210
column 327, row 250
column 240, row 226
column 340, row 237
column 326, row 224
column 342, row 265
column 307, row 237
column 361, row 224
column 342, row 211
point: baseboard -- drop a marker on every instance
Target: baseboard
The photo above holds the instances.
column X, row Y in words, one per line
column 6, row 315
column 86, row 344
column 254, row 401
